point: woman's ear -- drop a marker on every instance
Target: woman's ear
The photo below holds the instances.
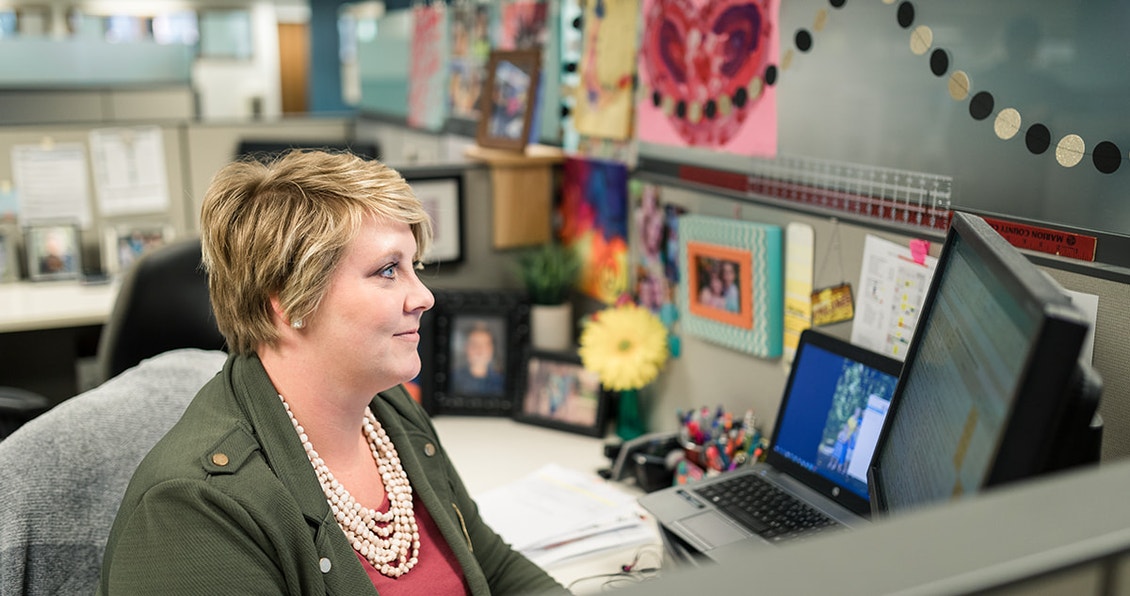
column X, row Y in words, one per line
column 277, row 309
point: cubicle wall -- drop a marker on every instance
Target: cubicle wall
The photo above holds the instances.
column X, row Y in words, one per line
column 1068, row 534
column 194, row 151
column 705, row 374
column 44, row 360
column 694, row 380
column 83, row 106
column 61, row 135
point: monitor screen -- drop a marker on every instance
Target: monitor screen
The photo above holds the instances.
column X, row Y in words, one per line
column 986, row 378
column 835, row 409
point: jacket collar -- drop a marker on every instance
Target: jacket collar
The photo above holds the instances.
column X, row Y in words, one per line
column 256, row 396
column 259, row 400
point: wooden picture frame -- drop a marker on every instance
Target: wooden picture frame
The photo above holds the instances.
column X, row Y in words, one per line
column 9, row 261
column 752, row 319
column 442, row 197
column 561, row 394
column 509, row 99
column 124, row 244
column 53, row 251
column 479, row 344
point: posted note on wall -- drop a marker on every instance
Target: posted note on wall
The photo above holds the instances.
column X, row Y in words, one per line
column 129, row 170
column 799, row 250
column 892, row 286
column 51, row 182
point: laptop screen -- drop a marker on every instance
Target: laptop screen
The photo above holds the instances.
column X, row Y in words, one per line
column 834, row 409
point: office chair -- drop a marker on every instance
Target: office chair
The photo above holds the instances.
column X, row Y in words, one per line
column 163, row 304
column 17, row 406
column 266, row 151
column 63, row 474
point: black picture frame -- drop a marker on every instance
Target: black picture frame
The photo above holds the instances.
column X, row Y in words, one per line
column 560, row 393
column 459, row 320
column 441, row 193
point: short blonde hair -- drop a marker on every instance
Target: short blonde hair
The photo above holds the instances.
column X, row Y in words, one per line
column 281, row 228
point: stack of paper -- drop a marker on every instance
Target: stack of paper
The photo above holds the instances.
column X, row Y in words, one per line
column 556, row 513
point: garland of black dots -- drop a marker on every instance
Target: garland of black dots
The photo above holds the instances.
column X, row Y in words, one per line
column 1106, row 156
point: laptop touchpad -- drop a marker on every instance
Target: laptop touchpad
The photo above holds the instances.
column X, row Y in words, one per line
column 712, row 529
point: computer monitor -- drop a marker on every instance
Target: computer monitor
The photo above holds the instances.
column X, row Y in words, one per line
column 991, row 386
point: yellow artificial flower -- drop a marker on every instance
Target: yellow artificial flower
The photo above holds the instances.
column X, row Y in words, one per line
column 626, row 346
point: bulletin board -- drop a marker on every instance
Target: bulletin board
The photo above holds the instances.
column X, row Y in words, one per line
column 897, row 112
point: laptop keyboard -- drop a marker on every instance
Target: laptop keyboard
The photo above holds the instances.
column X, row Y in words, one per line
column 765, row 509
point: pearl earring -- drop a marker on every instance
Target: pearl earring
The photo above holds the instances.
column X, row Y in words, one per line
column 298, row 324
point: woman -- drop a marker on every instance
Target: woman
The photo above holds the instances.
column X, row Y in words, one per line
column 286, row 475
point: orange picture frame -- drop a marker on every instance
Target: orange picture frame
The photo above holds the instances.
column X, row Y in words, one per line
column 719, row 283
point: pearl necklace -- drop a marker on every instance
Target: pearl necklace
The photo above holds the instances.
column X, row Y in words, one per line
column 384, row 539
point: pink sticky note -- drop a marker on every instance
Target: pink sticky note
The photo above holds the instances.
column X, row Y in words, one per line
column 918, row 250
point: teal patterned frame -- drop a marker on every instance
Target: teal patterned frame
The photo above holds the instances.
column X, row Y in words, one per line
column 764, row 338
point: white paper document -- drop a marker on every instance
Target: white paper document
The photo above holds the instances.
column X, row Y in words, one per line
column 557, row 513
column 892, row 286
column 51, row 182
column 129, row 170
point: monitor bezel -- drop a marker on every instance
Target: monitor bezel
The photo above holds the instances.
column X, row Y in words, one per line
column 1024, row 447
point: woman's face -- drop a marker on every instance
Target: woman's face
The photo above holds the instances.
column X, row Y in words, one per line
column 368, row 323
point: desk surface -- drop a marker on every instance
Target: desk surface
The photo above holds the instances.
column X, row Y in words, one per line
column 29, row 306
column 491, row 452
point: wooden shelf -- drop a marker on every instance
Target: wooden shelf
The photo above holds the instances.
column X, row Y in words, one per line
column 522, row 188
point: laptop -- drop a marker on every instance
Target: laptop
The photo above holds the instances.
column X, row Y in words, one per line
column 833, row 407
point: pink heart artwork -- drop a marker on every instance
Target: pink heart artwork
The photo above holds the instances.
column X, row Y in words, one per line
column 701, row 66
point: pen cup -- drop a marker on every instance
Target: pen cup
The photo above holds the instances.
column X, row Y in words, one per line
column 695, row 454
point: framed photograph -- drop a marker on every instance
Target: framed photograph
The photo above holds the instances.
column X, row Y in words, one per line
column 124, row 244
column 442, row 196
column 480, row 341
column 509, row 99
column 561, row 394
column 9, row 263
column 716, row 278
column 53, row 252
column 732, row 289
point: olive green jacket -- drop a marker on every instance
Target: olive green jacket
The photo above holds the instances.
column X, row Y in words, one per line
column 228, row 503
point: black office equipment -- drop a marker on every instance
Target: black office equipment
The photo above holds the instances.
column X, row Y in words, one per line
column 17, row 406
column 163, row 304
column 830, row 416
column 267, row 150
column 992, row 389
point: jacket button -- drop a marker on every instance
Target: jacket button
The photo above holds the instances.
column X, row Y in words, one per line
column 325, row 565
column 429, row 449
column 220, row 459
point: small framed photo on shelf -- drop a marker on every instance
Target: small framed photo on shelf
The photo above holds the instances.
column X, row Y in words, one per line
column 509, row 99
column 9, row 262
column 442, row 197
column 53, row 251
column 480, row 339
column 124, row 244
column 561, row 394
